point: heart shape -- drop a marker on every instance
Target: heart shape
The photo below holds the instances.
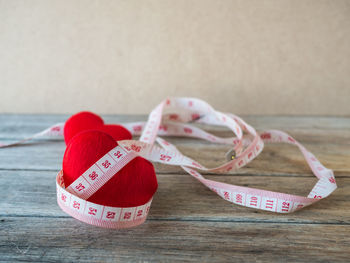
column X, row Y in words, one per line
column 133, row 185
column 85, row 120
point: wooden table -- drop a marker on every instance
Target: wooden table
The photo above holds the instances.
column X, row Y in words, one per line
column 187, row 222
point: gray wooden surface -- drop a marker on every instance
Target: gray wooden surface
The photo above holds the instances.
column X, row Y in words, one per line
column 187, row 222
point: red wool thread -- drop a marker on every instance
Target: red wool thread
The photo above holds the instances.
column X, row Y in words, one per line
column 86, row 120
column 87, row 142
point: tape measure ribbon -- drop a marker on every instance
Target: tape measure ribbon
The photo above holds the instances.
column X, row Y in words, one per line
column 172, row 117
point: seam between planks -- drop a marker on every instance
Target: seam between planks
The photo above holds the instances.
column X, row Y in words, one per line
column 182, row 173
column 248, row 221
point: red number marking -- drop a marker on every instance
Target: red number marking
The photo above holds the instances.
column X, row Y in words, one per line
column 92, row 211
column 187, row 130
column 93, row 175
column 63, row 198
column 173, row 117
column 226, row 195
column 56, row 128
column 80, row 187
column 291, row 139
column 254, row 201
column 127, row 215
column 135, row 148
column 137, row 128
column 235, row 141
column 165, row 142
column 193, row 173
column 195, row 116
column 163, row 127
column 106, row 164
column 110, row 215
column 196, row 164
column 165, row 158
column 269, row 204
column 237, row 130
column 332, row 180
column 139, row 213
column 118, row 154
column 76, row 205
column 239, row 198
column 285, row 206
column 265, row 136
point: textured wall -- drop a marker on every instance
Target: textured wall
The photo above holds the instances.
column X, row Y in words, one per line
column 259, row 57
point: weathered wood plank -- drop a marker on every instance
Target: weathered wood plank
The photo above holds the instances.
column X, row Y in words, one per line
column 278, row 159
column 328, row 138
column 20, row 125
column 181, row 197
column 67, row 240
column 187, row 222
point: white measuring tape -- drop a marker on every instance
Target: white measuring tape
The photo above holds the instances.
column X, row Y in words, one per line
column 174, row 117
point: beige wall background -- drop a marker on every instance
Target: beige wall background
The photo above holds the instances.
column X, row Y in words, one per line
column 254, row 57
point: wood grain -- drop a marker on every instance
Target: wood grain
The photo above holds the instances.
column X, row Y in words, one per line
column 68, row 240
column 181, row 197
column 187, row 222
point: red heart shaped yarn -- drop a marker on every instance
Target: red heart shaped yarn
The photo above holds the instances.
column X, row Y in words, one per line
column 85, row 120
column 133, row 185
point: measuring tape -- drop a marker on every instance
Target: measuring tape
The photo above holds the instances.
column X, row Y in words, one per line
column 175, row 117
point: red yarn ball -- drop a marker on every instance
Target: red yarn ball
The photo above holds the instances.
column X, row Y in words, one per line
column 85, row 120
column 133, row 185
column 118, row 132
column 79, row 122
